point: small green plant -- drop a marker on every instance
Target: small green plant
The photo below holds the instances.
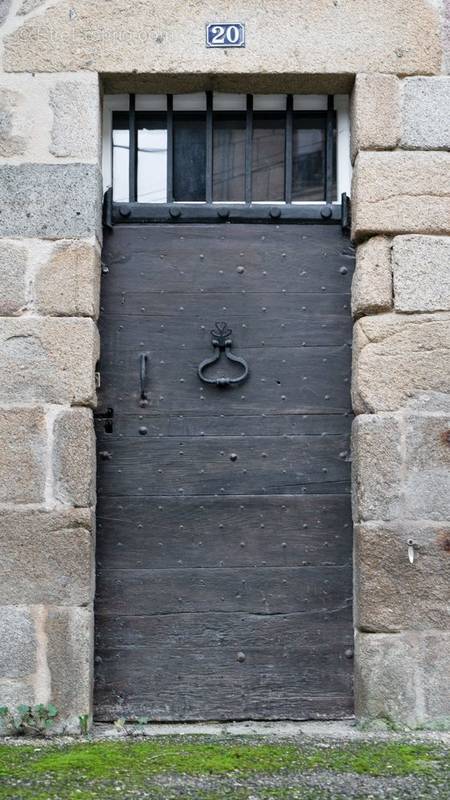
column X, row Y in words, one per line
column 120, row 725
column 131, row 729
column 84, row 724
column 28, row 720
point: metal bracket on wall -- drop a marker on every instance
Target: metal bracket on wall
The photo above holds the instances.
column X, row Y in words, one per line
column 346, row 219
column 108, row 208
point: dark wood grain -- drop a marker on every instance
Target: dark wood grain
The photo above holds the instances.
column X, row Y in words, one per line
column 224, row 576
column 297, row 258
column 289, row 380
column 240, row 465
column 225, row 425
column 261, row 590
column 294, row 666
column 166, row 533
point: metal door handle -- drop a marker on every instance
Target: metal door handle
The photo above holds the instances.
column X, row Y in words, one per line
column 221, row 342
column 143, row 359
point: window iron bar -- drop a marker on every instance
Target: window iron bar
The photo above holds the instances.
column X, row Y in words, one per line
column 132, row 161
column 209, row 147
column 248, row 150
column 329, row 150
column 170, row 148
column 288, row 155
column 248, row 160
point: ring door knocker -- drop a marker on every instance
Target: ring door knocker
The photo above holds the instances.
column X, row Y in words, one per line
column 221, row 341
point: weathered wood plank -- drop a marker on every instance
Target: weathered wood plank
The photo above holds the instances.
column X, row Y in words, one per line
column 224, row 543
column 261, row 590
column 326, row 311
column 137, row 532
column 241, row 465
column 202, row 256
column 241, row 666
column 224, row 425
column 293, row 380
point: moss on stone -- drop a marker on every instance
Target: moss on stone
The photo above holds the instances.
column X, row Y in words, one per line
column 90, row 770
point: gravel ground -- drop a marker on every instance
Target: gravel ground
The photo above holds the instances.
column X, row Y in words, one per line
column 319, row 786
column 425, row 777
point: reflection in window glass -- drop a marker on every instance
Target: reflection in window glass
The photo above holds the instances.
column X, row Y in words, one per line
column 308, row 169
column 229, row 157
column 152, row 158
column 189, row 156
column 121, row 140
column 268, row 156
column 188, row 146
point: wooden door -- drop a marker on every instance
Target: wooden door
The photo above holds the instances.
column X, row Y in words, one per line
column 224, row 585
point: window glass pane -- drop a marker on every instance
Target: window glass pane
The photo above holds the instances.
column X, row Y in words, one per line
column 268, row 156
column 195, row 101
column 310, row 102
column 229, row 156
column 308, row 170
column 269, row 102
column 152, row 157
column 189, row 156
column 151, row 102
column 223, row 101
column 120, row 155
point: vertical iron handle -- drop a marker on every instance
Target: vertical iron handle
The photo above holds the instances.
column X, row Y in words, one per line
column 143, row 359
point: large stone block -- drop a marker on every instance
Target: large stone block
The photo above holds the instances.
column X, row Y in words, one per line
column 426, row 482
column 391, row 594
column 375, row 113
column 5, row 5
column 74, row 457
column 25, row 99
column 29, row 5
column 13, row 268
column 76, row 119
column 46, row 118
column 48, row 360
column 399, row 359
column 397, row 36
column 50, row 200
column 421, row 268
column 372, row 280
column 67, row 283
column 11, row 143
column 46, row 557
column 18, row 638
column 376, row 463
column 23, row 455
column 70, row 659
column 401, row 192
column 15, row 692
column 425, row 113
column 403, row 678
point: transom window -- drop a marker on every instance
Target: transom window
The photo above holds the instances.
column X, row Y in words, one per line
column 214, row 148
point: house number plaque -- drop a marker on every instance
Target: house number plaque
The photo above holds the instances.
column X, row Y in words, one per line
column 225, row 34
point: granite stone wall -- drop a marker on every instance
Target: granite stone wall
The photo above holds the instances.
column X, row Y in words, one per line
column 401, row 396
column 56, row 57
